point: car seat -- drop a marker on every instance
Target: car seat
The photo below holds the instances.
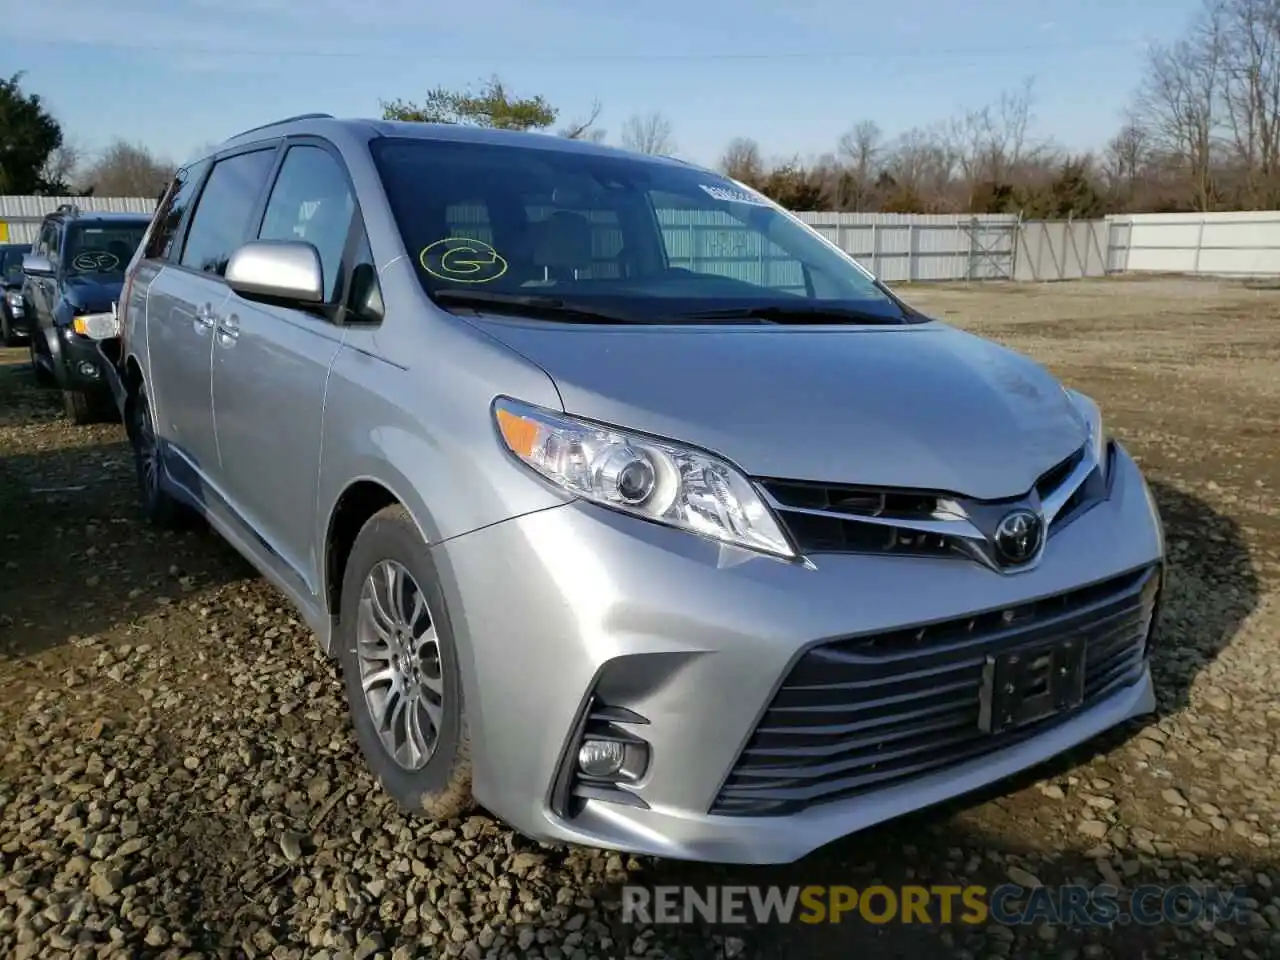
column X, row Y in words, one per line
column 563, row 248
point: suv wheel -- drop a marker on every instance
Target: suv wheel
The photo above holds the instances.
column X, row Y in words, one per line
column 158, row 506
column 7, row 339
column 79, row 407
column 400, row 668
column 43, row 377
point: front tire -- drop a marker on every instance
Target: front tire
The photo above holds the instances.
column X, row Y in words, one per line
column 400, row 669
column 7, row 338
column 43, row 376
column 79, row 407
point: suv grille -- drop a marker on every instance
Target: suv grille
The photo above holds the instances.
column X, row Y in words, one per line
column 836, row 518
column 869, row 712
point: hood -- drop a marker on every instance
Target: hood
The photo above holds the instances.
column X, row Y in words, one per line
column 92, row 292
column 924, row 406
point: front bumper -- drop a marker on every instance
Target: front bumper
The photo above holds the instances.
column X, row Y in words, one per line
column 17, row 322
column 79, row 364
column 696, row 639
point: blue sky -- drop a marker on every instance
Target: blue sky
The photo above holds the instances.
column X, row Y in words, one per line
column 176, row 74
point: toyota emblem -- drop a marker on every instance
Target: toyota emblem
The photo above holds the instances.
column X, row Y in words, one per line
column 1018, row 536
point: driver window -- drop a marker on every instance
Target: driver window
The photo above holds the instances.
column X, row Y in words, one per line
column 702, row 240
column 312, row 201
column 49, row 242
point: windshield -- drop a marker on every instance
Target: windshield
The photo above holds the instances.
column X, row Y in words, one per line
column 102, row 248
column 652, row 240
column 11, row 263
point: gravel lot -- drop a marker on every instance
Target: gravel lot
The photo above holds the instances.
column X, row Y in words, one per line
column 177, row 776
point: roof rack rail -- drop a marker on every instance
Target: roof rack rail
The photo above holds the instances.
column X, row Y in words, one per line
column 276, row 123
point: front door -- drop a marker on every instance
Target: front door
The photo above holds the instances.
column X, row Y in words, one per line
column 184, row 302
column 181, row 305
column 271, row 368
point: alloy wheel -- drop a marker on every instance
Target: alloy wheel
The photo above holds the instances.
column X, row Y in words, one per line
column 399, row 661
column 148, row 456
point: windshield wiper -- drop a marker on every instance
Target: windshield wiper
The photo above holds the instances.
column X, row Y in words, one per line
column 777, row 313
column 520, row 303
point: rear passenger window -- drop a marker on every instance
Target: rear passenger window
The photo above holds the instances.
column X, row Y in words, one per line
column 312, row 201
column 221, row 219
column 169, row 215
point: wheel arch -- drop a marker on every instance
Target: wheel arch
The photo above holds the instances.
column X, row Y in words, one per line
column 359, row 500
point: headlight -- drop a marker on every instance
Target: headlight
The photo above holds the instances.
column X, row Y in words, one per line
column 1093, row 417
column 97, row 326
column 14, row 299
column 655, row 479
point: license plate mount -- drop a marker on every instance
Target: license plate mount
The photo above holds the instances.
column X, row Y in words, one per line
column 1025, row 685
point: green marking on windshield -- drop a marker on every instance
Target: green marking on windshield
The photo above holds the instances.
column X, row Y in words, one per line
column 462, row 260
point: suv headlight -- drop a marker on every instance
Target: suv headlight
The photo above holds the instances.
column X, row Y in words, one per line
column 658, row 480
column 14, row 299
column 97, row 326
column 1093, row 418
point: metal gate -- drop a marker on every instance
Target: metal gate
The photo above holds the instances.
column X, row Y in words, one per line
column 991, row 249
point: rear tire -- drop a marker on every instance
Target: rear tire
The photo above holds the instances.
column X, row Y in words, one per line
column 440, row 785
column 158, row 506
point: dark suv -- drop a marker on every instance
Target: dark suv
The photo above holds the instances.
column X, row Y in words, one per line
column 11, row 255
column 73, row 278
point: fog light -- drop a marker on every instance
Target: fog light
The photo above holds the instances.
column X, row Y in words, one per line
column 87, row 369
column 601, row 758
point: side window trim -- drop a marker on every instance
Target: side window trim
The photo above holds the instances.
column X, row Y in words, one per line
column 356, row 229
column 180, row 242
column 198, row 170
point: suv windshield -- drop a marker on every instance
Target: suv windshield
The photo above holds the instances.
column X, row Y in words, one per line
column 11, row 263
column 102, row 247
column 647, row 240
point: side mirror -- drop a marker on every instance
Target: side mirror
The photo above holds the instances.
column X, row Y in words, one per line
column 37, row 265
column 280, row 270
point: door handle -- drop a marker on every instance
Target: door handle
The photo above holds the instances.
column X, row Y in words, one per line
column 228, row 329
column 203, row 318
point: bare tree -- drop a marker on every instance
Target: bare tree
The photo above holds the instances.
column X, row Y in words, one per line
column 992, row 143
column 1180, row 99
column 1250, row 52
column 62, row 165
column 648, row 133
column 585, row 129
column 1126, row 160
column 128, row 170
column 742, row 160
column 921, row 165
column 861, row 149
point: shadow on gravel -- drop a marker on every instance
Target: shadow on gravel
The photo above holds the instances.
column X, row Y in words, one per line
column 1211, row 588
column 76, row 558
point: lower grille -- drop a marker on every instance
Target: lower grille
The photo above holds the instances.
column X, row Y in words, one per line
column 869, row 712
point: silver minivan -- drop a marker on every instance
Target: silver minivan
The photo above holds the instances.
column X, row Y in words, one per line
column 632, row 508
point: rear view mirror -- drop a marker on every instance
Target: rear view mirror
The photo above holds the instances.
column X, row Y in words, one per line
column 282, row 270
column 37, row 265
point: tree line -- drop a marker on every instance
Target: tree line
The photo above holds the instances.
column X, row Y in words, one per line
column 1201, row 133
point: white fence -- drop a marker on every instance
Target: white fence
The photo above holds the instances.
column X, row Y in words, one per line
column 1243, row 244
column 902, row 248
column 20, row 216
column 905, row 247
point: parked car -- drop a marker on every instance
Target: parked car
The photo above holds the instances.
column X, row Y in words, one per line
column 73, row 277
column 11, row 255
column 633, row 508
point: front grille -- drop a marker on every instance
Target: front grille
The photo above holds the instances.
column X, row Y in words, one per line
column 868, row 712
column 841, row 518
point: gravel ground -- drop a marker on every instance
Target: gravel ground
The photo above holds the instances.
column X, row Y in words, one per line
column 178, row 779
